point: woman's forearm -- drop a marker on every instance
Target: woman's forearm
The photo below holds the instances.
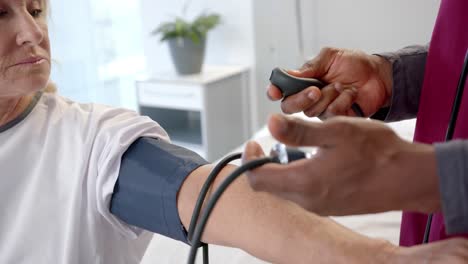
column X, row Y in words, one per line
column 274, row 229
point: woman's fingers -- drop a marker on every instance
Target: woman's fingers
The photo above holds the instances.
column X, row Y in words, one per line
column 273, row 178
column 252, row 151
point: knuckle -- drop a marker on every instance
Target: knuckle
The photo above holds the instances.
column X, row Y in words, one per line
column 328, row 50
column 301, row 101
column 308, row 64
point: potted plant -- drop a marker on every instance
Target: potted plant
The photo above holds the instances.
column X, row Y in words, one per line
column 187, row 40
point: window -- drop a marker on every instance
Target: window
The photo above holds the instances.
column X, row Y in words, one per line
column 98, row 50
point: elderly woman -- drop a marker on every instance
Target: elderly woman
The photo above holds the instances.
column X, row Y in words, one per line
column 66, row 167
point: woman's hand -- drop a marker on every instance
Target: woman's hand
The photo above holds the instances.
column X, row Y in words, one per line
column 353, row 76
column 361, row 166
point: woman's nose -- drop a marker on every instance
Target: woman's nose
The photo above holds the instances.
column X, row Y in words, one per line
column 29, row 32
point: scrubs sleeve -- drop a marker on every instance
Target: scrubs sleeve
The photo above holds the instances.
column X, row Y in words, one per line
column 408, row 76
column 452, row 166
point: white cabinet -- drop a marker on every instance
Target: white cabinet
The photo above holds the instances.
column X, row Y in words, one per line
column 207, row 113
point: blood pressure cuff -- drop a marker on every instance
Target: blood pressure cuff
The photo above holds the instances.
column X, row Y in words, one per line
column 151, row 174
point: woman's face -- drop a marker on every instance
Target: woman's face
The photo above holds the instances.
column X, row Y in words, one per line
column 24, row 47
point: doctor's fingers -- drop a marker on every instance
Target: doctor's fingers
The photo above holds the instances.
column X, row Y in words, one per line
column 304, row 99
column 329, row 94
column 341, row 106
column 299, row 132
column 281, row 179
column 274, row 93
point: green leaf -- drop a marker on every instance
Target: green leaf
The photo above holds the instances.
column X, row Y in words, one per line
column 205, row 23
column 194, row 37
column 181, row 28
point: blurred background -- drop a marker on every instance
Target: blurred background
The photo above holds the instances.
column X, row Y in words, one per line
column 104, row 53
column 103, row 48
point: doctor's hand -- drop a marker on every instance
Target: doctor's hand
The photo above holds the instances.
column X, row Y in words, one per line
column 353, row 76
column 361, row 166
column 454, row 251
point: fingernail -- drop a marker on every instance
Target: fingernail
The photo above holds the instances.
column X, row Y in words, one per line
column 313, row 96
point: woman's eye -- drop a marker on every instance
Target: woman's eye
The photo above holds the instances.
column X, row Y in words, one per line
column 36, row 13
column 3, row 13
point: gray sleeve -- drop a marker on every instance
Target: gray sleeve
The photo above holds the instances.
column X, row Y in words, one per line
column 408, row 76
column 452, row 166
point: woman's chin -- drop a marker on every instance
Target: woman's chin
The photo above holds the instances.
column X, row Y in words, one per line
column 32, row 84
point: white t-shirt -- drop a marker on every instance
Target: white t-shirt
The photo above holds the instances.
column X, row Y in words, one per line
column 58, row 168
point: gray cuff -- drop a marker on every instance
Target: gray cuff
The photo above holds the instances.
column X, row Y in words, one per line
column 151, row 175
column 408, row 76
column 452, row 166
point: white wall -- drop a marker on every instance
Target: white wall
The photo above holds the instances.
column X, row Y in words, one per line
column 230, row 43
column 375, row 25
column 371, row 25
column 260, row 33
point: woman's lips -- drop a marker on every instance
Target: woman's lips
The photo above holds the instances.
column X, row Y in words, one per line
column 30, row 61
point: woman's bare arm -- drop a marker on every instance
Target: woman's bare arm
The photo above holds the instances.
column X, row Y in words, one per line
column 273, row 229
